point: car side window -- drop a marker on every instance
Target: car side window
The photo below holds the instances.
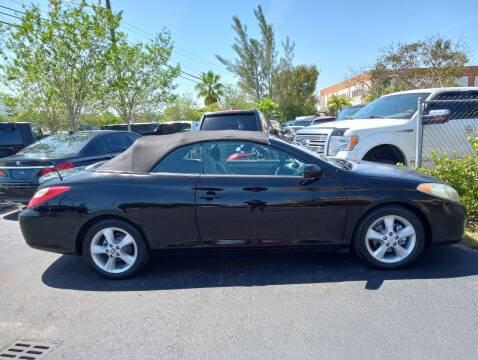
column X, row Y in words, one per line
column 101, row 146
column 456, row 103
column 37, row 133
column 96, row 147
column 117, row 142
column 184, row 160
column 248, row 158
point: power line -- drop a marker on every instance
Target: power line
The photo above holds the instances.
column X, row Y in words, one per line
column 14, row 10
column 186, row 75
column 189, row 54
column 17, row 2
column 7, row 23
column 13, row 16
column 170, row 66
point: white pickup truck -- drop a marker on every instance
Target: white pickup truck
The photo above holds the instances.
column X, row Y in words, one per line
column 385, row 130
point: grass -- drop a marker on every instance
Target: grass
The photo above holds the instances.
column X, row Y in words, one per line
column 471, row 238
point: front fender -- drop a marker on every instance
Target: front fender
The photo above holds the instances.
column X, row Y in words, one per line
column 375, row 140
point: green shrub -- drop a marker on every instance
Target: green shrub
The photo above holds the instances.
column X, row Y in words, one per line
column 461, row 174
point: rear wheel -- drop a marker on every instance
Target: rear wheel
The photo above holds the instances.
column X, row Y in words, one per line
column 115, row 249
column 390, row 238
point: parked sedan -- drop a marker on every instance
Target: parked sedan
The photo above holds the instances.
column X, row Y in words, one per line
column 20, row 173
column 186, row 190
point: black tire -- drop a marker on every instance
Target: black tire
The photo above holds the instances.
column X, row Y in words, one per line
column 360, row 241
column 142, row 249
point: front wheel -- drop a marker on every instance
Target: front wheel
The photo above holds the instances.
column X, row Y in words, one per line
column 390, row 238
column 115, row 249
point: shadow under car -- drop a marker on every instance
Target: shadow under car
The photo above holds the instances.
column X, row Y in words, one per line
column 180, row 271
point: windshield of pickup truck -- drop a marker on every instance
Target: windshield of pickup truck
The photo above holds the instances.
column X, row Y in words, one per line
column 400, row 106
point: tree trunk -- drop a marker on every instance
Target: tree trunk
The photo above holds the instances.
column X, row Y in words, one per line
column 128, row 122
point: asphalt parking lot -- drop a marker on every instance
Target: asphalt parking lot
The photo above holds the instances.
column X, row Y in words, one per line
column 259, row 306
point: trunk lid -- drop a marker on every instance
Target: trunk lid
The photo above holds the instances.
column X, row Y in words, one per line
column 24, row 169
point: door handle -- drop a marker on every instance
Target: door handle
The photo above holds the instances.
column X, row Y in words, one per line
column 210, row 195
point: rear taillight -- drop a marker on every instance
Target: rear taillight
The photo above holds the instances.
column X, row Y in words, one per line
column 45, row 194
column 2, row 173
column 58, row 167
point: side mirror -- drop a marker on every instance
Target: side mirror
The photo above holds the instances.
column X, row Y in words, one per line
column 312, row 171
column 436, row 117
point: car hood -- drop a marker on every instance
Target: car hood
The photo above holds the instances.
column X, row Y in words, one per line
column 368, row 168
column 356, row 124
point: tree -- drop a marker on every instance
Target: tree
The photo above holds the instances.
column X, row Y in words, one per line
column 140, row 81
column 62, row 56
column 257, row 60
column 336, row 103
column 234, row 99
column 444, row 61
column 268, row 107
column 182, row 108
column 104, row 118
column 210, row 88
column 44, row 109
column 295, row 91
column 433, row 62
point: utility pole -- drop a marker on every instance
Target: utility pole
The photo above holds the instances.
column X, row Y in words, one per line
column 112, row 30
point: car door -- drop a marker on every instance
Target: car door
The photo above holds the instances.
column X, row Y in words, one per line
column 253, row 194
column 175, row 178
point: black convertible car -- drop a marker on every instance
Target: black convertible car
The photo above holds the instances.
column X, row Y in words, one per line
column 238, row 189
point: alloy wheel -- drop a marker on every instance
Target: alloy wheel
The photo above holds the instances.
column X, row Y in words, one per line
column 114, row 250
column 390, row 239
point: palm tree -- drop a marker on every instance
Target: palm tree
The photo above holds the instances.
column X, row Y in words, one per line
column 210, row 88
column 336, row 103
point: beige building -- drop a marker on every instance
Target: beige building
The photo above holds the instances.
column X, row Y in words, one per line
column 355, row 87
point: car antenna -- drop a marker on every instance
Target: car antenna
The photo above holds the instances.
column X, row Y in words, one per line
column 59, row 175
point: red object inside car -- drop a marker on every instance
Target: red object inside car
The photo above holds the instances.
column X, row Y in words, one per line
column 239, row 156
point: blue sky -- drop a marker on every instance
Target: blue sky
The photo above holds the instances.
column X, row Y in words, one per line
column 337, row 36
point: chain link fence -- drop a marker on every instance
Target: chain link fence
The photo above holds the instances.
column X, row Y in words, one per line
column 444, row 125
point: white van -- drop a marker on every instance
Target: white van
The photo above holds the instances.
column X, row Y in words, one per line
column 385, row 130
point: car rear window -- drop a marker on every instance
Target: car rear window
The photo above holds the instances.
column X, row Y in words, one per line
column 59, row 145
column 247, row 122
column 10, row 134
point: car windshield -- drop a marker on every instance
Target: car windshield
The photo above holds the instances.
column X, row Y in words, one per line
column 59, row 145
column 400, row 106
column 10, row 134
column 230, row 121
column 348, row 112
column 302, row 123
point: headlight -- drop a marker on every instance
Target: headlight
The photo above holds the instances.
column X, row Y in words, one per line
column 439, row 190
column 341, row 143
